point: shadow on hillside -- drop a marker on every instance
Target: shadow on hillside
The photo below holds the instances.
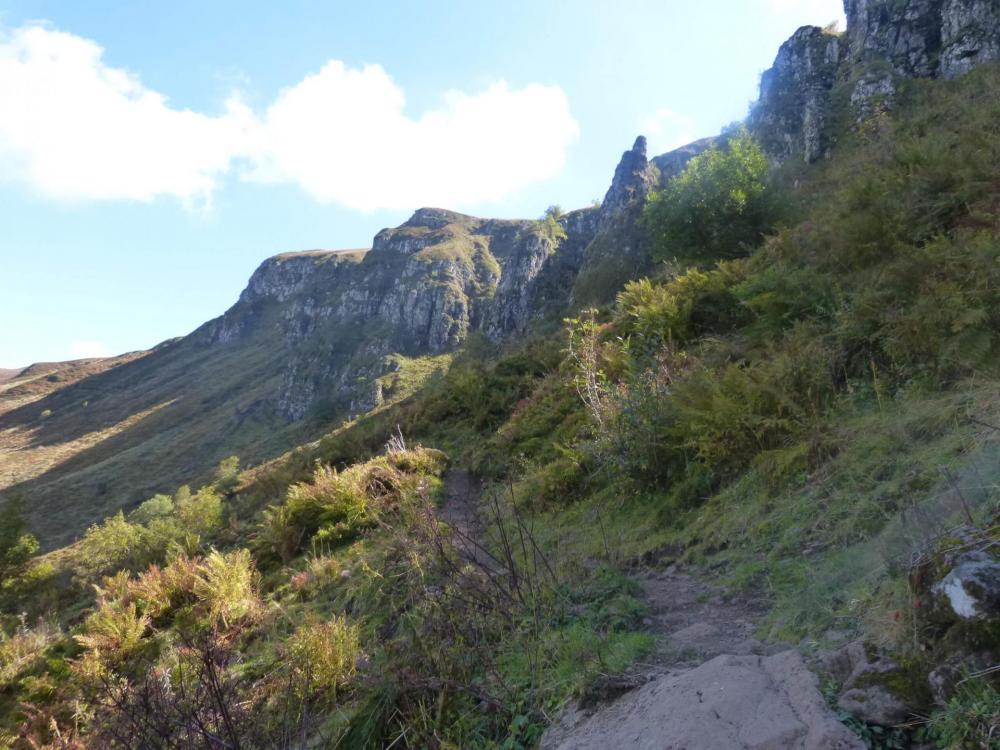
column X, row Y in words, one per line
column 101, row 401
column 189, row 407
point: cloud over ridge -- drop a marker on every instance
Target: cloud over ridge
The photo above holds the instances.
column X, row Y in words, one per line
column 74, row 128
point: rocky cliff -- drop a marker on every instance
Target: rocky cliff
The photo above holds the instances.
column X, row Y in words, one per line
column 422, row 289
column 886, row 42
column 426, row 285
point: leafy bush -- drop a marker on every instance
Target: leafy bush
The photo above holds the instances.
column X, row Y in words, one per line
column 727, row 416
column 200, row 513
column 227, row 475
column 112, row 545
column 157, row 507
column 720, row 206
column 17, row 546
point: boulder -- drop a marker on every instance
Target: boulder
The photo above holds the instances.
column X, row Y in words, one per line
column 874, row 688
column 971, row 589
column 744, row 702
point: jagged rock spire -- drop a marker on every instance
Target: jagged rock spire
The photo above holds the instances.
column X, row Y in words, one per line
column 633, row 178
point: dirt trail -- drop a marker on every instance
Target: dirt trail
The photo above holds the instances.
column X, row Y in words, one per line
column 710, row 684
column 461, row 512
column 695, row 621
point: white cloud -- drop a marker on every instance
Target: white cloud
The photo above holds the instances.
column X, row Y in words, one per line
column 342, row 135
column 75, row 128
column 88, row 350
column 666, row 130
column 812, row 12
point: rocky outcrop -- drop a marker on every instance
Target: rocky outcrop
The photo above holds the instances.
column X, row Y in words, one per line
column 970, row 35
column 422, row 288
column 429, row 283
column 885, row 41
column 924, row 38
column 869, row 681
column 749, row 702
column 632, row 181
column 673, row 162
column 790, row 116
column 971, row 589
column 618, row 249
column 907, row 34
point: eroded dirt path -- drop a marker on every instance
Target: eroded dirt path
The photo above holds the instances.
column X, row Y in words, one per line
column 695, row 621
column 461, row 512
column 710, row 685
column 692, row 620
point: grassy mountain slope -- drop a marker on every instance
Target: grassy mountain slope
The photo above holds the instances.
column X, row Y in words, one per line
column 796, row 403
column 316, row 337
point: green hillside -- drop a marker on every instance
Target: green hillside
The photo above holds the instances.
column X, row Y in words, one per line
column 798, row 400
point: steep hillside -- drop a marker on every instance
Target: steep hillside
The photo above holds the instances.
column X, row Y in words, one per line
column 315, row 338
column 712, row 465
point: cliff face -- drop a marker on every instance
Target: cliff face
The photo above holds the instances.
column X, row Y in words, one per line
column 925, row 38
column 422, row 288
column 790, row 116
column 885, row 41
column 425, row 286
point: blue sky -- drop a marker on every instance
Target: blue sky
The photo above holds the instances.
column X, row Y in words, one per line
column 153, row 154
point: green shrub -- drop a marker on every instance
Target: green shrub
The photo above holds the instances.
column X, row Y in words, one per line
column 330, row 497
column 157, row 507
column 720, row 206
column 778, row 295
column 200, row 513
column 278, row 535
column 17, row 546
column 227, row 475
column 111, row 545
column 728, row 416
column 690, row 305
column 936, row 306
